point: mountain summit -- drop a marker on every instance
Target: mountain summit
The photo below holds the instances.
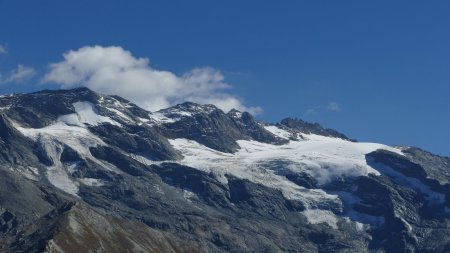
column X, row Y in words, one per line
column 86, row 172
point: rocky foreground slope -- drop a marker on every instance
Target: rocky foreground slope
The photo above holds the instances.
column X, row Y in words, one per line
column 84, row 172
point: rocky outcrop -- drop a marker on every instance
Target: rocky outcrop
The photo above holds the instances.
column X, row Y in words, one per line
column 310, row 128
column 211, row 127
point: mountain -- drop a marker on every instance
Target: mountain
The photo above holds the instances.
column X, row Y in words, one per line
column 86, row 172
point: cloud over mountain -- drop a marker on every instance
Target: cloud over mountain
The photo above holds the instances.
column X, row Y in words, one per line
column 114, row 70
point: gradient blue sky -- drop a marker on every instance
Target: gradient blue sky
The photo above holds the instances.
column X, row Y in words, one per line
column 375, row 70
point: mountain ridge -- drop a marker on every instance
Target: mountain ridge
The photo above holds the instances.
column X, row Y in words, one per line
column 193, row 178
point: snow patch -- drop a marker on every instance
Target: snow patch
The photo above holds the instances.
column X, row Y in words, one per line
column 120, row 114
column 160, row 118
column 279, row 132
column 188, row 195
column 91, row 181
column 31, row 173
column 52, row 139
column 59, row 178
column 85, row 114
column 317, row 216
column 144, row 160
column 235, row 114
column 78, row 138
column 358, row 225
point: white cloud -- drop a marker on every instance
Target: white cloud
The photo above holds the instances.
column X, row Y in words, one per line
column 3, row 49
column 334, row 107
column 113, row 70
column 18, row 75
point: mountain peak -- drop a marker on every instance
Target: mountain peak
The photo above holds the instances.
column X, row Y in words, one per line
column 234, row 113
column 83, row 91
column 188, row 109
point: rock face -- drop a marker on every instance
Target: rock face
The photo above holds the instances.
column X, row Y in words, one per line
column 211, row 127
column 85, row 172
column 310, row 128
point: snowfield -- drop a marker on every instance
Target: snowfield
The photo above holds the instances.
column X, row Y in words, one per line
column 69, row 130
column 85, row 114
column 323, row 158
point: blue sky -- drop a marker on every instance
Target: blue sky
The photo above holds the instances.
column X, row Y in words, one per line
column 375, row 70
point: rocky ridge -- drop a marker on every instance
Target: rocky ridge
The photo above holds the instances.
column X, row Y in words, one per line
column 82, row 171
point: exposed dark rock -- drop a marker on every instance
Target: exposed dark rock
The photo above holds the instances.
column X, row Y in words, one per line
column 121, row 161
column 213, row 128
column 42, row 108
column 209, row 126
column 436, row 167
column 247, row 125
column 138, row 140
column 311, row 128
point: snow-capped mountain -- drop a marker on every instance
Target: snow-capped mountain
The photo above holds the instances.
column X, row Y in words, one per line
column 85, row 172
